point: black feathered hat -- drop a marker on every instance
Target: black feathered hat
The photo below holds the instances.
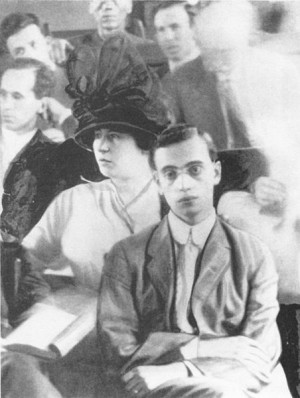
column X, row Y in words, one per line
column 114, row 89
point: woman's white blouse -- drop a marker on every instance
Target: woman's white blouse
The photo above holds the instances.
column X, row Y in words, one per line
column 83, row 223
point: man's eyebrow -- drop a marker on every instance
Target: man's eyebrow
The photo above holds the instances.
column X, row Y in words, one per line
column 169, row 167
column 18, row 48
column 189, row 164
column 194, row 163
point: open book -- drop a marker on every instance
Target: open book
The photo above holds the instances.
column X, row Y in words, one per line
column 56, row 325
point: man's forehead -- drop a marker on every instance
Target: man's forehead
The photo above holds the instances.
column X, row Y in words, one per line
column 180, row 154
column 96, row 4
column 18, row 80
column 25, row 35
column 166, row 16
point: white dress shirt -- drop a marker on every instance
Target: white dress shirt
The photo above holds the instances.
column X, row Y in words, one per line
column 193, row 238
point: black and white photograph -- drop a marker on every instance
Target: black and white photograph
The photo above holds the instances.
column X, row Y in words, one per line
column 150, row 198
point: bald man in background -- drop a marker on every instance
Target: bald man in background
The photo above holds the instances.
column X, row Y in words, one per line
column 111, row 16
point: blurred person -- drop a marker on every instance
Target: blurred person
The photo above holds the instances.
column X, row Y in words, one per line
column 242, row 96
column 253, row 97
column 24, row 38
column 193, row 299
column 280, row 28
column 174, row 33
column 233, row 91
column 263, row 92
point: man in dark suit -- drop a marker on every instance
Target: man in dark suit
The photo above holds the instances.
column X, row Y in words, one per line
column 23, row 37
column 34, row 168
column 242, row 96
column 174, row 33
column 187, row 308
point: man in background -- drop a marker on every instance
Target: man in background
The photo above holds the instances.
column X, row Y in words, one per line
column 174, row 33
column 23, row 37
column 111, row 16
column 30, row 179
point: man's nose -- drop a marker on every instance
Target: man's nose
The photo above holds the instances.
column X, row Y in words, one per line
column 7, row 102
column 108, row 4
column 184, row 182
column 169, row 34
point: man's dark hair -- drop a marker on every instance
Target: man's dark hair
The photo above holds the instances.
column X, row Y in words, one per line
column 44, row 77
column 179, row 133
column 15, row 22
column 168, row 4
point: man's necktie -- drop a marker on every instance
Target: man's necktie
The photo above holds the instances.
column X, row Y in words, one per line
column 186, row 259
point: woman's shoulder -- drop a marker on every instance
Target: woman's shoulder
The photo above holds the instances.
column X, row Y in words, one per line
column 85, row 189
column 78, row 191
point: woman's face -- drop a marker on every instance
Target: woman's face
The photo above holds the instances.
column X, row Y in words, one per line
column 117, row 154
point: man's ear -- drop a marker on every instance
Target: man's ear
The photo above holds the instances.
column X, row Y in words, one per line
column 156, row 179
column 42, row 108
column 217, row 172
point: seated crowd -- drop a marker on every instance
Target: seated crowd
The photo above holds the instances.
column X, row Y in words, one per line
column 162, row 176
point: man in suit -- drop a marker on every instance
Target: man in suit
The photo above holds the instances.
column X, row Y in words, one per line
column 23, row 36
column 26, row 152
column 242, row 96
column 111, row 17
column 174, row 33
column 187, row 308
column 30, row 178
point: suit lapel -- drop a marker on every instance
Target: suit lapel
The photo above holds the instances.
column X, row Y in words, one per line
column 160, row 265
column 214, row 261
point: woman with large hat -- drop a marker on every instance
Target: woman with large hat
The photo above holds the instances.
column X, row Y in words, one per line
column 119, row 112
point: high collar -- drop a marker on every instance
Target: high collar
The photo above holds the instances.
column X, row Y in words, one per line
column 199, row 232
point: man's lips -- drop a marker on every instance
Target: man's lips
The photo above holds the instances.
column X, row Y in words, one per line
column 104, row 161
column 7, row 118
column 186, row 199
column 172, row 48
column 108, row 18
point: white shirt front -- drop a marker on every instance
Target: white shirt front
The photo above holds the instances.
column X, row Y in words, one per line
column 193, row 238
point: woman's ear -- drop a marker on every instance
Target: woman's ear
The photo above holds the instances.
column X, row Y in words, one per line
column 42, row 109
column 218, row 172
